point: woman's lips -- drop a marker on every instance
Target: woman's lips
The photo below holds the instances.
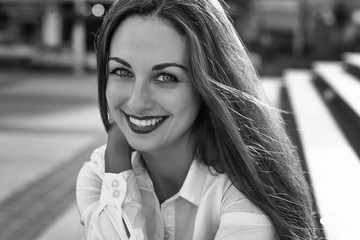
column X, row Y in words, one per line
column 143, row 125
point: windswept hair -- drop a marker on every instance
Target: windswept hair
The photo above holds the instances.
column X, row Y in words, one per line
column 236, row 131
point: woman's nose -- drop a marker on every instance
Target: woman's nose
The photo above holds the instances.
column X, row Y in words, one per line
column 140, row 98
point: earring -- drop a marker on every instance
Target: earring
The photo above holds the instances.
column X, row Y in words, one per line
column 110, row 119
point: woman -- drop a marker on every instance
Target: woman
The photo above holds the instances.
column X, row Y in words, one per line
column 211, row 159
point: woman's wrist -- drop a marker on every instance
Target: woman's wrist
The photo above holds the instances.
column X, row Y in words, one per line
column 118, row 151
column 117, row 161
column 117, row 168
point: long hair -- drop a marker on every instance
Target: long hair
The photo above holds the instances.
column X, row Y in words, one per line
column 236, row 131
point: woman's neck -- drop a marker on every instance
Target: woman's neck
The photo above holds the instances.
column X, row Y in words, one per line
column 168, row 170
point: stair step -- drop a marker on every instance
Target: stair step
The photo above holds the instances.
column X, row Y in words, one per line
column 345, row 85
column 352, row 58
column 333, row 166
column 352, row 63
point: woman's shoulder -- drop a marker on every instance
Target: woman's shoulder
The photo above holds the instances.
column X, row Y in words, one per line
column 229, row 206
column 213, row 180
column 96, row 164
column 98, row 155
column 215, row 185
column 223, row 191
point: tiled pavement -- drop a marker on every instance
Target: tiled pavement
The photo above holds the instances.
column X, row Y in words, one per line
column 49, row 125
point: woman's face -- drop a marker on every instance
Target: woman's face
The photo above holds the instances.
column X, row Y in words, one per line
column 149, row 91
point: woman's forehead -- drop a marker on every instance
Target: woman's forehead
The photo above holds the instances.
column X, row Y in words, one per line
column 150, row 38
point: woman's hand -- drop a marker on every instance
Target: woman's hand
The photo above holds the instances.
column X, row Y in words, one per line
column 118, row 152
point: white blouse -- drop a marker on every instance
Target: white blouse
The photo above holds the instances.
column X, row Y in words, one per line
column 207, row 206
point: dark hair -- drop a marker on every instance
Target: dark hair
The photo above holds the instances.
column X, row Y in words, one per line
column 236, row 132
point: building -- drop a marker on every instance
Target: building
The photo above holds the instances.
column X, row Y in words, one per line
column 61, row 33
column 56, row 33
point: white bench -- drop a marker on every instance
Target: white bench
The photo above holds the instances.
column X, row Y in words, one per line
column 352, row 62
column 345, row 85
column 333, row 166
column 272, row 88
column 352, row 58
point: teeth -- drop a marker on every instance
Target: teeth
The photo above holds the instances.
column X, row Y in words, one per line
column 145, row 123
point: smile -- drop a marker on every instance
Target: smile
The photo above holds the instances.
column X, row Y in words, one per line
column 143, row 125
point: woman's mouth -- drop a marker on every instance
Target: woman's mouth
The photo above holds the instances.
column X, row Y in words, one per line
column 143, row 125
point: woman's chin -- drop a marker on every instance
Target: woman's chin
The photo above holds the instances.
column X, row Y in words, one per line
column 141, row 147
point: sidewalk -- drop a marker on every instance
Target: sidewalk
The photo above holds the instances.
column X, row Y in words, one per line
column 49, row 124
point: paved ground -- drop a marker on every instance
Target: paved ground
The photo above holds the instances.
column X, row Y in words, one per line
column 49, row 125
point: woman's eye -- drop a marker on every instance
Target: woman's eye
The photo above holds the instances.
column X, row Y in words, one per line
column 121, row 72
column 166, row 78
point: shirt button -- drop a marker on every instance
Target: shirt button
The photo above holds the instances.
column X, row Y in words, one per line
column 115, row 183
column 116, row 194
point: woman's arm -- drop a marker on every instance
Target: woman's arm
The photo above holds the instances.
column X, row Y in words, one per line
column 108, row 198
column 241, row 219
column 118, row 151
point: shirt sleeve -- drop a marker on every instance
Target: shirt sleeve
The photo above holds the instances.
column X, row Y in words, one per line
column 109, row 204
column 241, row 219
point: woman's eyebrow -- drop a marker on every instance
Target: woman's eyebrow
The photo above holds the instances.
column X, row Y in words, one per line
column 166, row 65
column 154, row 68
column 119, row 60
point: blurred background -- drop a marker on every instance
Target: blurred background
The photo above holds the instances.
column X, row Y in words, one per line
column 307, row 53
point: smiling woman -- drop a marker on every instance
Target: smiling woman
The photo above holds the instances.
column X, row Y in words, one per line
column 149, row 88
column 194, row 151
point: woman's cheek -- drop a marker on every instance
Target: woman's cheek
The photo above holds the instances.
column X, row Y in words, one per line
column 113, row 95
